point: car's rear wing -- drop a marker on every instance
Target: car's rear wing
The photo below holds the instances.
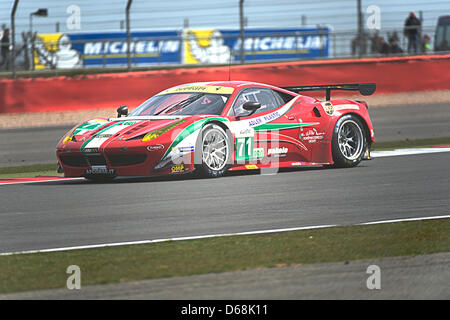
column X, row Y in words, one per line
column 366, row 89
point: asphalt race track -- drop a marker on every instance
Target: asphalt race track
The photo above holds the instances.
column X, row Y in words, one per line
column 31, row 146
column 73, row 213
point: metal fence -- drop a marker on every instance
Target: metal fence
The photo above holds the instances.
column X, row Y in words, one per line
column 58, row 52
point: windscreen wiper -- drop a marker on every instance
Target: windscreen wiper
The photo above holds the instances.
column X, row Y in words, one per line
column 180, row 104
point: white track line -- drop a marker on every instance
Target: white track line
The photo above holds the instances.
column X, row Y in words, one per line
column 407, row 152
column 403, row 220
column 93, row 246
column 165, row 240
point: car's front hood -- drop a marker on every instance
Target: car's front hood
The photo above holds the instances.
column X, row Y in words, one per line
column 95, row 133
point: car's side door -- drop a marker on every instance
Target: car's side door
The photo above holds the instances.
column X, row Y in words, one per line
column 270, row 133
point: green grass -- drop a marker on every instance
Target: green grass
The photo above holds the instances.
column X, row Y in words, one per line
column 29, row 171
column 30, row 168
column 26, row 272
column 29, row 174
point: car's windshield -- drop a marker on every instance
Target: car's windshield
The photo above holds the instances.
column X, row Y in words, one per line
column 187, row 103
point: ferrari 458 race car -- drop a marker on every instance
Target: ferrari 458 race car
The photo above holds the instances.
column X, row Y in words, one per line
column 212, row 127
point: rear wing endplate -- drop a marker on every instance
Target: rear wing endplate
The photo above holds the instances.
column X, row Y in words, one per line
column 366, row 89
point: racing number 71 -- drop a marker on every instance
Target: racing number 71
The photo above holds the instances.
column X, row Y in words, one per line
column 244, row 148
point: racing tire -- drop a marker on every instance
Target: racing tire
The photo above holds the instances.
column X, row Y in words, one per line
column 213, row 151
column 349, row 142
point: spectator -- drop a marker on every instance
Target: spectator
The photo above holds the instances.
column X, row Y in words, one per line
column 383, row 47
column 4, row 44
column 412, row 31
column 394, row 48
column 426, row 44
column 374, row 43
column 354, row 45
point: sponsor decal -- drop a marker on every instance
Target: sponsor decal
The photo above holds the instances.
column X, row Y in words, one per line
column 247, row 132
column 258, row 153
column 104, row 135
column 251, row 166
column 186, row 149
column 199, row 88
column 128, row 123
column 312, row 135
column 328, row 107
column 68, row 138
column 91, row 150
column 255, row 122
column 155, row 147
column 102, row 170
column 272, row 116
column 156, row 133
column 346, row 106
column 297, row 163
column 277, row 151
column 177, row 168
column 282, row 126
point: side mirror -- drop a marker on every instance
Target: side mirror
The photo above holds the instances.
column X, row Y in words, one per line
column 251, row 106
column 122, row 111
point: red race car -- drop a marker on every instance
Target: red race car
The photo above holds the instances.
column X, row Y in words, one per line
column 213, row 127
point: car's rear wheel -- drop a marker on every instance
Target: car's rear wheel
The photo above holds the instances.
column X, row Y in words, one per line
column 213, row 151
column 348, row 142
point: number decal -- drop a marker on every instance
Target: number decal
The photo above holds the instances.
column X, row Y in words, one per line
column 244, row 148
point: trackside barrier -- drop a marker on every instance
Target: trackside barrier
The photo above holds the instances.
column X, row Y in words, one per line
column 391, row 74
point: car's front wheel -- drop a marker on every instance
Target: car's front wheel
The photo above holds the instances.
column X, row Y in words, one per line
column 348, row 142
column 213, row 151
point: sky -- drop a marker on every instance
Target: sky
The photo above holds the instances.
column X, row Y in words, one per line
column 104, row 15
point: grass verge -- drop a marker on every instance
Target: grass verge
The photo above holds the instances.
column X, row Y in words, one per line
column 30, row 168
column 26, row 272
column 29, row 171
column 29, row 174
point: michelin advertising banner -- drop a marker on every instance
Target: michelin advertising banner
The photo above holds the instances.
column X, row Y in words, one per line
column 75, row 50
column 212, row 46
column 221, row 46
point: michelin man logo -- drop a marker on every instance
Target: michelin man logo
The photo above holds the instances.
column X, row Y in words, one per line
column 61, row 56
column 215, row 52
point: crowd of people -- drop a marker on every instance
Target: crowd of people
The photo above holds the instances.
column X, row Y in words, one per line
column 416, row 42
